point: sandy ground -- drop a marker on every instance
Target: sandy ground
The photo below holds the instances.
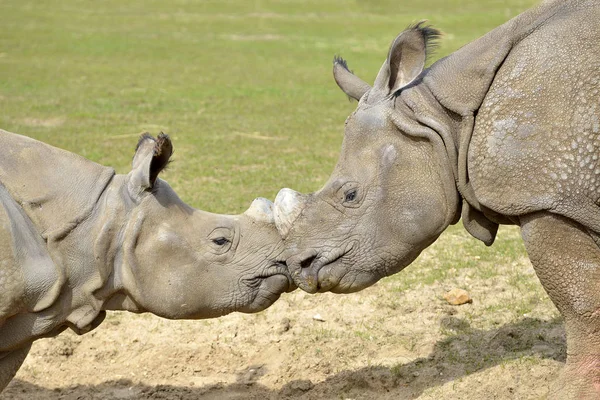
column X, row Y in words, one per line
column 381, row 343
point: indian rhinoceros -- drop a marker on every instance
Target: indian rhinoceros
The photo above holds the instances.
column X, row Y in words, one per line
column 77, row 239
column 506, row 130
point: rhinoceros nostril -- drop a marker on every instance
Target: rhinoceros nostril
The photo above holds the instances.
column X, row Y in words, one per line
column 303, row 271
column 307, row 262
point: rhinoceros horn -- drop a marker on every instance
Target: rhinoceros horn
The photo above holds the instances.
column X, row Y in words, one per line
column 288, row 206
column 261, row 209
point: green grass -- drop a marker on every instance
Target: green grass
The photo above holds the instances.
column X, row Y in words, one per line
column 243, row 87
column 457, row 252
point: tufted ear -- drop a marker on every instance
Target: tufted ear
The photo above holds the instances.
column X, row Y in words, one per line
column 406, row 59
column 352, row 85
column 151, row 156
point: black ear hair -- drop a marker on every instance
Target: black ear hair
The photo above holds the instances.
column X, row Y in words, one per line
column 353, row 86
column 151, row 157
column 405, row 61
column 163, row 149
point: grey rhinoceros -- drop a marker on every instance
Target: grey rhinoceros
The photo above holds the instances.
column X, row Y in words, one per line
column 77, row 239
column 506, row 130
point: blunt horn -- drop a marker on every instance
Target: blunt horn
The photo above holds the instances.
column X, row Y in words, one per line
column 288, row 206
column 261, row 209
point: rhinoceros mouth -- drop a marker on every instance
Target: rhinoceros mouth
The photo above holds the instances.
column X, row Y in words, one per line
column 276, row 268
column 267, row 287
column 281, row 268
column 312, row 270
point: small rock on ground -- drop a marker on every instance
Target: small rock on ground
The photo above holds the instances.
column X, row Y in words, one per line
column 457, row 297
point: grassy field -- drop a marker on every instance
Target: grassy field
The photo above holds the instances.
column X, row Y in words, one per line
column 245, row 90
column 244, row 87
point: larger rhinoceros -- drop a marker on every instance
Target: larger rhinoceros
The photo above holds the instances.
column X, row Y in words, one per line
column 77, row 239
column 505, row 130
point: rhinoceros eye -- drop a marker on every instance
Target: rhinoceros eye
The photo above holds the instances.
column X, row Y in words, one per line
column 350, row 196
column 220, row 241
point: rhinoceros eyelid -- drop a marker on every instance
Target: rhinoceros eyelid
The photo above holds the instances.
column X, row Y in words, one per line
column 220, row 241
column 349, row 194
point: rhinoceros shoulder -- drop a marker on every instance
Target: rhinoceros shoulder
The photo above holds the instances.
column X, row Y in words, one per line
column 536, row 140
column 55, row 188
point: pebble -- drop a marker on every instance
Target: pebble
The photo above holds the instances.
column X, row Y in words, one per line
column 284, row 325
column 456, row 297
column 317, row 317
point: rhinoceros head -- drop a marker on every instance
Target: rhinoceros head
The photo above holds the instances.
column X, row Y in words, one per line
column 179, row 262
column 389, row 196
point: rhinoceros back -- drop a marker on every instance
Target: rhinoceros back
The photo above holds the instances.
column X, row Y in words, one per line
column 536, row 142
column 55, row 188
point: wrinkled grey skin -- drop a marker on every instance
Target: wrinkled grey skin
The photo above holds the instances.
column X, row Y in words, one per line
column 77, row 240
column 505, row 130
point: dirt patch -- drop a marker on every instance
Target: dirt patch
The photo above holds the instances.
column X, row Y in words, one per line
column 386, row 342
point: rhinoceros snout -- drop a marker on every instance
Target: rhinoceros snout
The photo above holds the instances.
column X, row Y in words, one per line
column 288, row 206
column 302, row 271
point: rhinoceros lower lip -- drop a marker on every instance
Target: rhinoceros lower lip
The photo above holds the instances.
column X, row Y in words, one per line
column 268, row 289
column 325, row 279
column 305, row 270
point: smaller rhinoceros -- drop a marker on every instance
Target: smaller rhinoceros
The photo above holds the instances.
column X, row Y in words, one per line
column 77, row 239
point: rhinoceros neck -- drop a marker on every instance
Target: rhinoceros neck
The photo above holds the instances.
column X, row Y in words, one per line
column 111, row 243
column 418, row 113
column 429, row 112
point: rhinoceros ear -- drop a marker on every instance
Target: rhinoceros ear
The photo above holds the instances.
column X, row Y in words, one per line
column 406, row 59
column 151, row 156
column 350, row 84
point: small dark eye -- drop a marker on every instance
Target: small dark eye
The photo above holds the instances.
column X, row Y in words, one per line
column 350, row 195
column 220, row 241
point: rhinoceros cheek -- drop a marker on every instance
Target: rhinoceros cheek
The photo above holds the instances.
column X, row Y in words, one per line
column 268, row 292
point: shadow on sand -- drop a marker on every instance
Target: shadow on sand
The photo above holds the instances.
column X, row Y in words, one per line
column 464, row 351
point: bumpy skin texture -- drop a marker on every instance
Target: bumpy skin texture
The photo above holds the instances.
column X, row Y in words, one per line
column 567, row 261
column 77, row 240
column 536, row 137
column 504, row 131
